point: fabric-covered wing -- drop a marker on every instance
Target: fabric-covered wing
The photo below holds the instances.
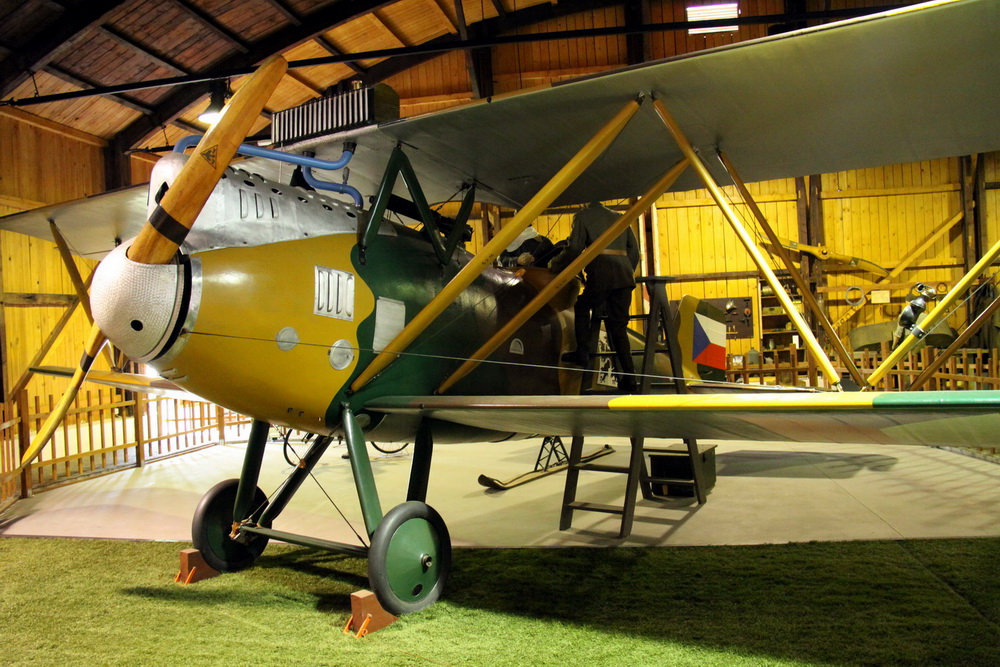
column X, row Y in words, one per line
column 969, row 418
column 126, row 381
column 92, row 226
column 914, row 84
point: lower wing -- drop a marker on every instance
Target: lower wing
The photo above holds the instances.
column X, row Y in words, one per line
column 966, row 418
column 126, row 381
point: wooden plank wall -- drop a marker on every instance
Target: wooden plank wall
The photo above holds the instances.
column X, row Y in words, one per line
column 882, row 215
column 41, row 163
column 876, row 214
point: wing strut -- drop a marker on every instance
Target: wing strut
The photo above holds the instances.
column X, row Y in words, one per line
column 807, row 295
column 807, row 336
column 566, row 275
column 548, row 194
column 78, row 284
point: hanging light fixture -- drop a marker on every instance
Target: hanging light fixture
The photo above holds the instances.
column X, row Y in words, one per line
column 217, row 88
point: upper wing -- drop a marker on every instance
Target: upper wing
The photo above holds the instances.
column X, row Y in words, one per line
column 964, row 418
column 93, row 226
column 913, row 84
column 908, row 85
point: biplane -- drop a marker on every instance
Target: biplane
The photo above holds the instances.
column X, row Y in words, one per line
column 310, row 309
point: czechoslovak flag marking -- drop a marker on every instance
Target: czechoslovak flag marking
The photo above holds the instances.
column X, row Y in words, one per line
column 709, row 342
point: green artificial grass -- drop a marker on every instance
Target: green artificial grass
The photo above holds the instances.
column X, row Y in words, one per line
column 66, row 601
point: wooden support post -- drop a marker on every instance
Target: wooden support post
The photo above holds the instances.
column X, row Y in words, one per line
column 139, row 414
column 220, row 420
column 967, row 171
column 23, row 440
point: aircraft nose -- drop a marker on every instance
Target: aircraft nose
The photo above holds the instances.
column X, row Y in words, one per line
column 137, row 305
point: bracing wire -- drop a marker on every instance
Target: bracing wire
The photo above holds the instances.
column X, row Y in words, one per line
column 460, row 359
column 315, row 479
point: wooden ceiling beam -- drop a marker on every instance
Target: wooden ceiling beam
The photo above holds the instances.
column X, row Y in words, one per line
column 212, row 24
column 58, row 37
column 380, row 23
column 478, row 62
column 485, row 30
column 636, row 44
column 437, row 10
column 180, row 98
column 146, row 52
column 501, row 11
column 285, row 11
column 189, row 127
column 301, row 80
column 334, row 51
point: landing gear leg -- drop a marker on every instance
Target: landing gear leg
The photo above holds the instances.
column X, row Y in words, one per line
column 226, row 505
column 410, row 555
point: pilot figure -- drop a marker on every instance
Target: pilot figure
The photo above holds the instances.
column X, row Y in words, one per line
column 908, row 318
column 610, row 279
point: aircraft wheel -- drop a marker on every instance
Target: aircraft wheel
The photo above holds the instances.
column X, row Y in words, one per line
column 410, row 558
column 213, row 523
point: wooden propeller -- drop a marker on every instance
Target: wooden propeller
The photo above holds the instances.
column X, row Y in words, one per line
column 166, row 228
column 173, row 217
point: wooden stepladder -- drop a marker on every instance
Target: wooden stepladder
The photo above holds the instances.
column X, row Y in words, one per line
column 661, row 338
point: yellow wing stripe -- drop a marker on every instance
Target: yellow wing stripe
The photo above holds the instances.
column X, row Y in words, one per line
column 790, row 401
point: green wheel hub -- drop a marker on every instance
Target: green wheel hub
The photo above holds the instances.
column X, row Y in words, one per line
column 410, row 558
column 213, row 524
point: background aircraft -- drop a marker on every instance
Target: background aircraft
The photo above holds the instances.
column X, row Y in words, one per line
column 301, row 310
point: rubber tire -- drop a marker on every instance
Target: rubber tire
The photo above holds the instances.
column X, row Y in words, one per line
column 402, row 583
column 213, row 522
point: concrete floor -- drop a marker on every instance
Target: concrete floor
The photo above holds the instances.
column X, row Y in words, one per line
column 766, row 493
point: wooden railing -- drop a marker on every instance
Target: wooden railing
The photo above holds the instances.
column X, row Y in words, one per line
column 966, row 369
column 106, row 430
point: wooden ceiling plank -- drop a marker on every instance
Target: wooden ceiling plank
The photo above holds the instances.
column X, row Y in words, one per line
column 52, row 126
column 209, row 22
column 81, row 82
column 61, row 36
column 320, row 21
column 157, row 58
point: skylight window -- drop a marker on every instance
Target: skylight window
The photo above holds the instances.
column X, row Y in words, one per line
column 729, row 10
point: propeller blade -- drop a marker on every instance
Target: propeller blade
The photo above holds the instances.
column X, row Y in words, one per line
column 95, row 340
column 173, row 217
